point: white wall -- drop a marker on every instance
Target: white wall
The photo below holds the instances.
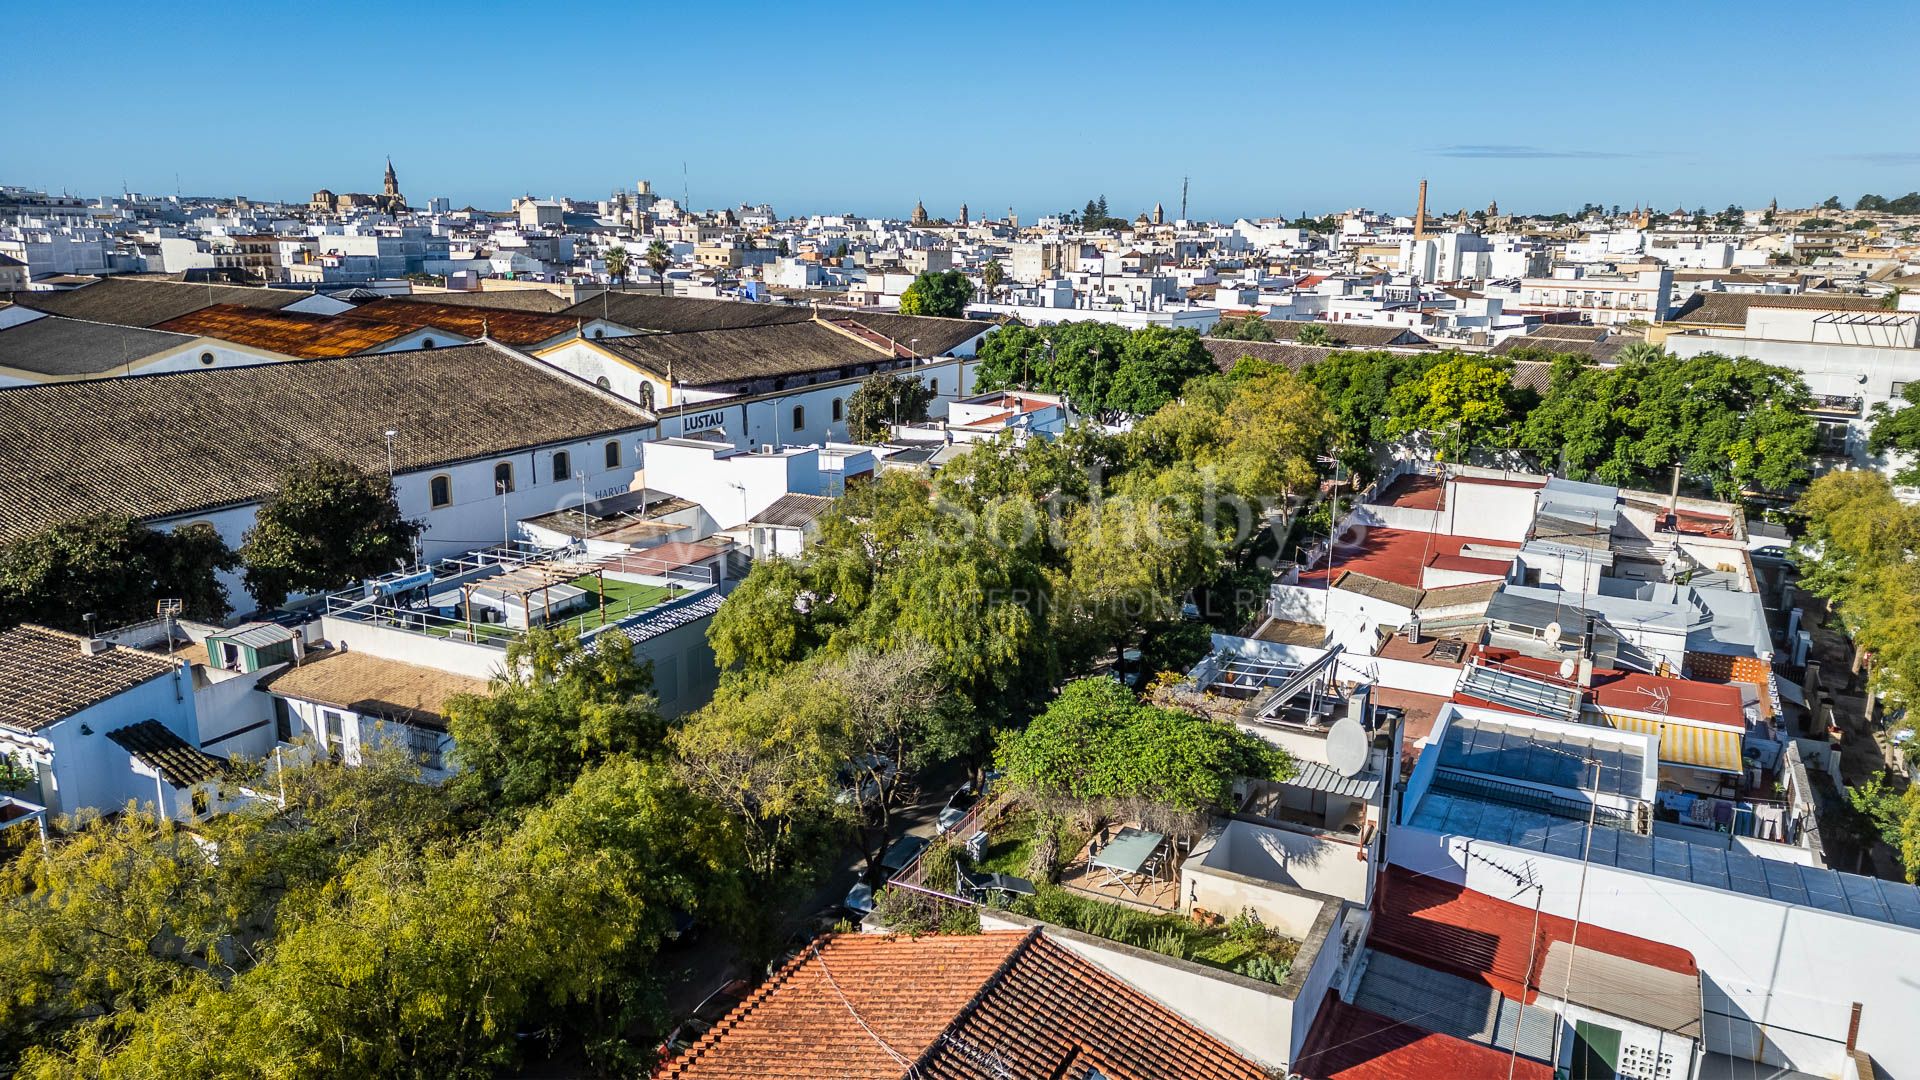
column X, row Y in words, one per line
column 82, row 769
column 1792, row 972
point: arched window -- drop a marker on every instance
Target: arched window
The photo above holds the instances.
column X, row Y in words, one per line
column 934, row 385
column 599, row 331
column 562, row 466
column 837, row 410
column 502, row 477
column 613, row 453
column 440, row 491
column 426, row 343
column 603, row 383
column 646, row 394
column 799, row 417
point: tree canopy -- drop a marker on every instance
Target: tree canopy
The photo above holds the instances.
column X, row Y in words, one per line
column 1730, row 424
column 115, row 569
column 328, row 525
column 1859, row 554
column 1898, row 430
column 943, row 293
column 1242, row 328
column 1096, row 741
column 882, row 400
column 1100, row 367
column 558, row 707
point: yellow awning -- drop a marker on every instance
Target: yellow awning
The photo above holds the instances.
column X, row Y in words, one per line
column 1698, row 746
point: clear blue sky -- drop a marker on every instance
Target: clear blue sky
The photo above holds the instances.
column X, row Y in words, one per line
column 1270, row 108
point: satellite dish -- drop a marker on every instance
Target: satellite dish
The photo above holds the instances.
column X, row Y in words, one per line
column 1347, row 749
column 1566, row 668
column 1553, row 633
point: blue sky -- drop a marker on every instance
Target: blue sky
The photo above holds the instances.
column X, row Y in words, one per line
column 1269, row 108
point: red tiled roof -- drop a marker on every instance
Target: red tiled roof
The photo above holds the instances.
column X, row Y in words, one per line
column 1475, row 936
column 1467, row 564
column 1351, row 1043
column 1413, row 491
column 946, row 1008
column 1396, row 555
column 1702, row 701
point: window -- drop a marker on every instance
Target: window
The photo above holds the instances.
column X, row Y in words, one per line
column 934, row 385
column 206, row 358
column 440, row 491
column 603, row 383
column 562, row 466
column 613, row 453
column 836, row 410
column 1899, row 387
column 200, row 805
column 333, row 728
column 424, row 744
column 426, row 343
column 282, row 720
column 502, row 477
column 799, row 417
column 646, row 395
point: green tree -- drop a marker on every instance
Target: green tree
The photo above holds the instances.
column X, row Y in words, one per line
column 1313, row 334
column 1460, row 403
column 1096, row 741
column 616, row 259
column 329, row 525
column 1898, row 430
column 1244, row 328
column 1859, row 554
column 659, row 259
column 942, row 294
column 1100, row 367
column 558, row 707
column 1894, row 814
column 113, row 568
column 991, row 276
column 1730, row 424
column 1831, row 202
column 884, row 399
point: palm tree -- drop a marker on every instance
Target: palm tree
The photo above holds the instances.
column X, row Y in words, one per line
column 659, row 257
column 1313, row 334
column 617, row 264
column 990, row 276
column 1640, row 352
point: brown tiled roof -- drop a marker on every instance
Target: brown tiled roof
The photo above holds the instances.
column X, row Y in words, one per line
column 374, row 686
column 538, row 301
column 1353, row 335
column 147, row 302
column 158, row 446
column 310, row 337
column 1227, row 352
column 707, row 357
column 1730, row 309
column 936, row 337
column 178, row 762
column 999, row 1004
column 48, row 678
column 518, row 328
column 657, row 311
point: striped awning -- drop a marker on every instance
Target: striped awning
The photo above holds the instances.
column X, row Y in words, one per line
column 1698, row 746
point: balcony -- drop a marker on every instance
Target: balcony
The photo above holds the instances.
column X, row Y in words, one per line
column 1837, row 406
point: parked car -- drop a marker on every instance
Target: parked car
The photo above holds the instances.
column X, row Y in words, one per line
column 858, row 779
column 708, row 1013
column 958, row 805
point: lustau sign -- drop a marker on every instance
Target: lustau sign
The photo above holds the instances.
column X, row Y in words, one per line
column 702, row 421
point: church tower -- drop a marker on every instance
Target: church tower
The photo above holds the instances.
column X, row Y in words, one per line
column 392, row 185
column 1159, row 215
column 919, row 214
column 963, row 215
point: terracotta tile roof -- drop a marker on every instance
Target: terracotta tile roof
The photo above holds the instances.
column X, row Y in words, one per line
column 1351, row 1043
column 48, row 678
column 374, row 686
column 154, row 745
column 1475, row 936
column 1006, row 1003
column 516, row 328
column 159, row 446
column 310, row 337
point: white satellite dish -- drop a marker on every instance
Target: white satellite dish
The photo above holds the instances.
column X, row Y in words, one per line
column 1553, row 633
column 1347, row 749
column 1566, row 668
